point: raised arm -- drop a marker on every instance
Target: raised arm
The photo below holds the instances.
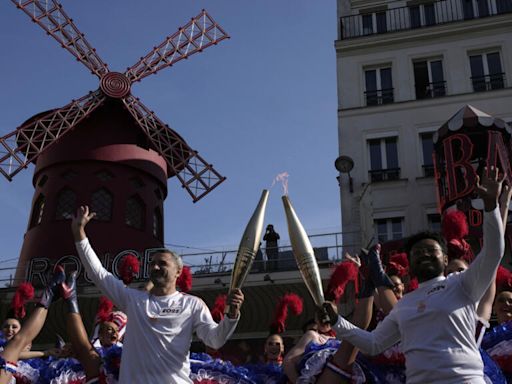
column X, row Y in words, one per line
column 103, row 279
column 484, row 309
column 482, row 270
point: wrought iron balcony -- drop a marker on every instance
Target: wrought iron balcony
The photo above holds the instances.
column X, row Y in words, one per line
column 379, row 96
column 428, row 170
column 384, row 174
column 430, row 90
column 419, row 16
column 488, row 82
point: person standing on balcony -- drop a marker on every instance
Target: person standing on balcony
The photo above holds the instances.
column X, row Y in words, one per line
column 271, row 237
column 162, row 321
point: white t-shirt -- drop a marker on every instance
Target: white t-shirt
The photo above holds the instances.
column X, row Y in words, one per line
column 436, row 323
column 159, row 329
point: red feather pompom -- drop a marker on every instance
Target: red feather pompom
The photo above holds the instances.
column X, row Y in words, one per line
column 218, row 308
column 503, row 279
column 460, row 249
column 184, row 282
column 24, row 292
column 289, row 301
column 129, row 268
column 104, row 310
column 343, row 273
column 454, row 225
column 413, row 284
column 398, row 265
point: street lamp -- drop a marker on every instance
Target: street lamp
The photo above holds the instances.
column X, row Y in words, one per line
column 344, row 164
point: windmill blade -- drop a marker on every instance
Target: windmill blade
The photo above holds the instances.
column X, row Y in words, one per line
column 200, row 32
column 51, row 17
column 195, row 174
column 25, row 144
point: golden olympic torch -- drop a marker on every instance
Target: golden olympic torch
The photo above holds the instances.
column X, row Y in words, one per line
column 249, row 244
column 304, row 255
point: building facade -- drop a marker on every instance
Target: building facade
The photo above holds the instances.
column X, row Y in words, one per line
column 403, row 69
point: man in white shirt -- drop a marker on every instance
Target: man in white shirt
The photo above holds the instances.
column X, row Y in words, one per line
column 161, row 321
column 436, row 323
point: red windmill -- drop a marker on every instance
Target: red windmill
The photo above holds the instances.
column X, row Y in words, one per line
column 105, row 149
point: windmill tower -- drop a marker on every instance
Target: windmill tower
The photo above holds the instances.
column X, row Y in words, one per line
column 105, row 149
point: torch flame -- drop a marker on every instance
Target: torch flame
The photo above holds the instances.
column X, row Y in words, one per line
column 283, row 179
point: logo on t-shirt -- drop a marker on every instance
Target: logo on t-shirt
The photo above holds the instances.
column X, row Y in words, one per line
column 435, row 289
column 172, row 310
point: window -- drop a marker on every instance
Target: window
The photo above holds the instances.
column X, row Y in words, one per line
column 475, row 8
column 136, row 182
column 134, row 214
column 434, row 222
column 483, row 8
column 381, row 22
column 101, row 203
column 504, row 6
column 157, row 224
column 104, row 175
column 429, row 79
column 374, row 23
column 66, row 204
column 430, row 14
column 467, row 7
column 486, row 72
column 383, row 159
column 427, row 146
column 415, row 16
column 389, row 229
column 42, row 181
column 37, row 211
column 379, row 86
column 69, row 175
column 367, row 24
column 422, row 15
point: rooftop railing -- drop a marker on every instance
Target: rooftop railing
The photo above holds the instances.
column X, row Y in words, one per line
column 420, row 16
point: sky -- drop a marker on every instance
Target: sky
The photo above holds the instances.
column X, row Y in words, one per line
column 258, row 104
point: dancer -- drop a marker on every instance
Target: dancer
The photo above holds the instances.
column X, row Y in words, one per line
column 31, row 328
column 436, row 323
column 83, row 349
column 158, row 337
column 375, row 282
column 498, row 341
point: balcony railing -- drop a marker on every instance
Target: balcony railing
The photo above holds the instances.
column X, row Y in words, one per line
column 428, row 170
column 488, row 82
column 384, row 174
column 379, row 96
column 430, row 90
column 418, row 16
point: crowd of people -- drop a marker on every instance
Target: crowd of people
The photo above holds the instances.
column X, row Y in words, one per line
column 421, row 317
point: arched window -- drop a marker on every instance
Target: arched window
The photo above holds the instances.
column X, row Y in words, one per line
column 66, row 204
column 157, row 224
column 37, row 211
column 42, row 180
column 101, row 203
column 134, row 214
column 104, row 175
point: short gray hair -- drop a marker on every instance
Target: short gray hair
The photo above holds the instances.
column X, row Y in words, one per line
column 177, row 258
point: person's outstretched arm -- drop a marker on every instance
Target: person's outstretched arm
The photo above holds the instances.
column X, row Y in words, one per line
column 372, row 343
column 103, row 279
column 215, row 335
column 482, row 270
column 484, row 309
